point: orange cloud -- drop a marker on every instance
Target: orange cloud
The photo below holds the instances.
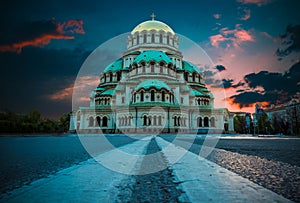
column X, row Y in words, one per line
column 80, row 86
column 217, row 16
column 60, row 32
column 257, row 2
column 231, row 37
column 246, row 14
column 63, row 94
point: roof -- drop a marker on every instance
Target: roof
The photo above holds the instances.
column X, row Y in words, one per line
column 114, row 66
column 157, row 84
column 197, row 93
column 108, row 92
column 189, row 67
column 150, row 55
column 152, row 25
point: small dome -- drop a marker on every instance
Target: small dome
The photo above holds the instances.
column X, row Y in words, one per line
column 152, row 25
column 92, row 95
column 114, row 66
column 109, row 92
column 153, row 55
column 157, row 84
column 189, row 67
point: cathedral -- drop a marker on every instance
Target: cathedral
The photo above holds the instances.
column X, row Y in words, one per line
column 151, row 89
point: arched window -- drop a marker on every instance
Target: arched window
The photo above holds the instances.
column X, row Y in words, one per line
column 152, row 95
column 160, row 39
column 186, row 76
column 142, row 96
column 149, row 120
column 118, row 76
column 110, row 77
column 175, row 121
column 199, row 122
column 154, row 120
column 91, row 121
column 98, row 120
column 178, row 120
column 122, row 121
column 206, row 124
column 213, row 122
column 145, row 38
column 152, row 38
column 163, row 96
column 152, row 66
column 137, row 39
column 159, row 120
column 199, row 77
column 125, row 121
column 104, row 121
column 134, row 97
column 194, row 77
column 168, row 39
column 129, row 120
column 145, row 120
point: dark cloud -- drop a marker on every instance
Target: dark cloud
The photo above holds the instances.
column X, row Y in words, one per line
column 220, row 68
column 227, row 83
column 290, row 41
column 239, row 84
column 278, row 88
column 38, row 33
column 246, row 99
column 272, row 81
column 224, row 83
column 208, row 73
column 28, row 78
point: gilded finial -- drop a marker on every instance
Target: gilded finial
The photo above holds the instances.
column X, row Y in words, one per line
column 153, row 16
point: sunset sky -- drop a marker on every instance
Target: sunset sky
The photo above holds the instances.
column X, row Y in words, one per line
column 254, row 44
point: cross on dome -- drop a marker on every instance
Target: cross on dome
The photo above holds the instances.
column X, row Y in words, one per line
column 153, row 16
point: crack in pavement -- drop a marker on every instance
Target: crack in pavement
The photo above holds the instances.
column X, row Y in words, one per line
column 154, row 187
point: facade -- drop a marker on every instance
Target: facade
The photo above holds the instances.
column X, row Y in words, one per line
column 151, row 89
column 285, row 118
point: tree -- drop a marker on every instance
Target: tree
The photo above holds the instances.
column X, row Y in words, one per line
column 264, row 124
column 239, row 124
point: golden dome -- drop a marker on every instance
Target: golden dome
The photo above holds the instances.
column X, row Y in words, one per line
column 152, row 25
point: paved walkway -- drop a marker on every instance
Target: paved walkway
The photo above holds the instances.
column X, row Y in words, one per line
column 201, row 180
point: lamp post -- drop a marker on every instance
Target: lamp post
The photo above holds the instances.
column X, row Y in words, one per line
column 294, row 116
column 254, row 125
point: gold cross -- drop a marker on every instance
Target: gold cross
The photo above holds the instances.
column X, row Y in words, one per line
column 153, row 16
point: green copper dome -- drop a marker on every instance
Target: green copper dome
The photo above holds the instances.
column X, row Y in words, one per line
column 157, row 84
column 152, row 25
column 189, row 67
column 153, row 55
column 114, row 66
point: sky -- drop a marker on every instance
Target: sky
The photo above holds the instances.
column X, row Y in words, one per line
column 254, row 46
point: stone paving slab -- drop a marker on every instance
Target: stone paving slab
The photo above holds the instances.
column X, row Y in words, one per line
column 205, row 181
